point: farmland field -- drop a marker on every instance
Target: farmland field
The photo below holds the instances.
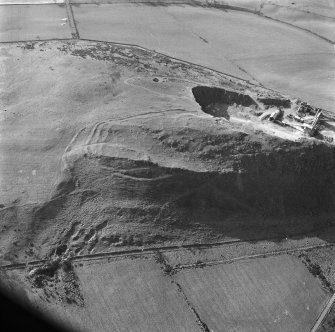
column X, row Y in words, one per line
column 208, row 36
column 122, row 295
column 287, row 73
column 323, row 25
column 268, row 294
column 25, row 22
column 151, row 27
column 132, row 295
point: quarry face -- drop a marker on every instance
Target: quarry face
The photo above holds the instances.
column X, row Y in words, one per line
column 149, row 151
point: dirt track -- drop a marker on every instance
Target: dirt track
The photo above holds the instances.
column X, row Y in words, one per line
column 323, row 314
column 263, row 247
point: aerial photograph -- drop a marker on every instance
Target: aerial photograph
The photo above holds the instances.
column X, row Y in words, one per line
column 167, row 165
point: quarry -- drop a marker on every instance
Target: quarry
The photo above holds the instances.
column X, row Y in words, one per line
column 150, row 186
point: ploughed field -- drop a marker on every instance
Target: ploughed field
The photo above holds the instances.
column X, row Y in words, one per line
column 143, row 294
column 266, row 294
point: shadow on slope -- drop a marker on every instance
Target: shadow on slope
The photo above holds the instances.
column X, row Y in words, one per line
column 232, row 185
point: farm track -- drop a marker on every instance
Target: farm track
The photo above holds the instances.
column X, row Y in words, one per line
column 175, row 248
column 323, row 314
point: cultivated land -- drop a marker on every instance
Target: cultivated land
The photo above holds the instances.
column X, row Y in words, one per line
column 269, row 294
column 119, row 295
column 134, row 290
column 210, row 37
column 149, row 193
column 244, row 50
column 147, row 294
column 320, row 261
column 24, row 22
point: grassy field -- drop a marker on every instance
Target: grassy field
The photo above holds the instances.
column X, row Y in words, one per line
column 65, row 92
column 154, row 28
column 24, row 22
column 306, row 76
column 269, row 294
column 315, row 16
column 125, row 295
column 321, row 24
column 320, row 262
column 133, row 295
column 284, row 58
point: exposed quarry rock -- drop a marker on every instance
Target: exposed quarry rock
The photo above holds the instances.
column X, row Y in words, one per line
column 275, row 102
column 216, row 101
